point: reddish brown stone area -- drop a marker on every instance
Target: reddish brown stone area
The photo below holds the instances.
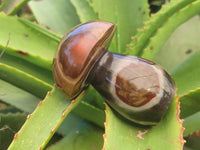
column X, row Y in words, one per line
column 75, row 53
column 82, row 47
column 137, row 84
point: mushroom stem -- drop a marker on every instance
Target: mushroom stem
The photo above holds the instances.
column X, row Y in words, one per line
column 136, row 88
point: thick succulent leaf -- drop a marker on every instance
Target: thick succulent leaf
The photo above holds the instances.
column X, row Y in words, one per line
column 84, row 10
column 17, row 97
column 187, row 148
column 168, row 132
column 8, row 109
column 37, row 44
column 182, row 44
column 59, row 16
column 22, row 59
column 68, row 124
column 83, row 136
column 94, row 98
column 11, row 7
column 90, row 113
column 145, row 36
column 186, row 75
column 26, row 67
column 127, row 14
column 163, row 33
column 193, row 142
column 9, row 125
column 49, row 113
column 190, row 111
column 28, row 102
column 189, row 103
column 23, row 80
column 191, row 124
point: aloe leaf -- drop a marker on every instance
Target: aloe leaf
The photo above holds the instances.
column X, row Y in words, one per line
column 28, row 102
column 11, row 7
column 118, row 12
column 83, row 110
column 26, row 67
column 8, row 109
column 23, row 80
column 167, row 132
column 69, row 124
column 190, row 111
column 19, row 98
column 9, row 125
column 42, row 30
column 191, row 124
column 186, row 75
column 59, row 16
column 50, row 113
column 90, row 113
column 37, row 45
column 144, row 35
column 183, row 42
column 84, row 10
column 94, row 98
column 163, row 33
column 193, row 142
column 189, row 103
column 84, row 136
column 187, row 148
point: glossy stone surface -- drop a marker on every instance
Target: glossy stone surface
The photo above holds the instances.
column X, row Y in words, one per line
column 77, row 53
column 136, row 88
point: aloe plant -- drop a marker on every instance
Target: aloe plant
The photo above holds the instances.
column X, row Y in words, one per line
column 34, row 114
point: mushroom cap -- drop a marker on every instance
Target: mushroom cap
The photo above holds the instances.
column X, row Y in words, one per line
column 77, row 53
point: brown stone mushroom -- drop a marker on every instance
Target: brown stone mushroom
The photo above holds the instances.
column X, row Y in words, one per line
column 136, row 88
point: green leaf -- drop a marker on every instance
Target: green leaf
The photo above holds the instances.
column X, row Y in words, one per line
column 59, row 16
column 84, row 10
column 11, row 7
column 191, row 124
column 8, row 109
column 27, row 102
column 193, row 142
column 9, row 125
column 17, row 97
column 28, row 68
column 186, row 75
column 25, row 81
column 153, row 25
column 28, row 41
column 187, row 148
column 183, row 43
column 50, row 113
column 163, row 33
column 83, row 136
column 90, row 113
column 189, row 103
column 168, row 132
column 190, row 111
column 69, row 124
column 94, row 98
column 127, row 14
